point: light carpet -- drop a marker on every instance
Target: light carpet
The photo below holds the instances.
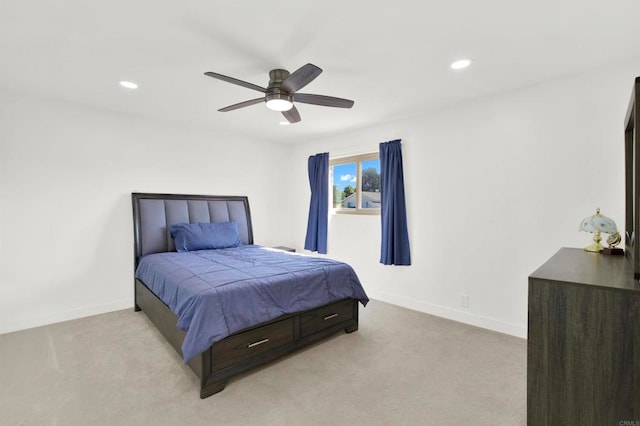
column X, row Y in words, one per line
column 401, row 367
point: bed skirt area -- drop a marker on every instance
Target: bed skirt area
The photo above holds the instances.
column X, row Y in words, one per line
column 253, row 346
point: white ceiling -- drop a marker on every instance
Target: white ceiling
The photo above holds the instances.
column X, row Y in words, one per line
column 392, row 57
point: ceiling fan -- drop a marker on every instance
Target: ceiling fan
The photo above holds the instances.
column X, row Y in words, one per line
column 281, row 93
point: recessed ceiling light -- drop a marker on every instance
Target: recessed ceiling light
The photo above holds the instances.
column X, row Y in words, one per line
column 128, row 84
column 461, row 64
column 284, row 123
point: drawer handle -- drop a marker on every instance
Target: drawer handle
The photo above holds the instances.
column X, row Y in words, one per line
column 259, row 342
column 328, row 317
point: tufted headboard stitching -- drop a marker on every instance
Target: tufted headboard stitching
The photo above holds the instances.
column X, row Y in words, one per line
column 153, row 214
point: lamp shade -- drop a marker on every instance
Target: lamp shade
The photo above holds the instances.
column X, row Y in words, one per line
column 598, row 223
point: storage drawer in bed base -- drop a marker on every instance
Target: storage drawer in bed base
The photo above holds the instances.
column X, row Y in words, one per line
column 251, row 347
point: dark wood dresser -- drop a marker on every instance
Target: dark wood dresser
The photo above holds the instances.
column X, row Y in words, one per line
column 583, row 356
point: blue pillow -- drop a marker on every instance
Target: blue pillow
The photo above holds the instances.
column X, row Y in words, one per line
column 205, row 236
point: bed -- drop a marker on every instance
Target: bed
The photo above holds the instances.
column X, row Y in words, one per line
column 231, row 309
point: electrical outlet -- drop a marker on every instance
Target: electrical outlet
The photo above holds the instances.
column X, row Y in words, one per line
column 464, row 301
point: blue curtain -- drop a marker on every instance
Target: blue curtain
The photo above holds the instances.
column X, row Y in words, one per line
column 395, row 237
column 316, row 239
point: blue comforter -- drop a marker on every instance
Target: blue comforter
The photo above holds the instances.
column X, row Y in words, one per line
column 215, row 293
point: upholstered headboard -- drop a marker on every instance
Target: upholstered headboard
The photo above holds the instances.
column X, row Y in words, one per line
column 153, row 214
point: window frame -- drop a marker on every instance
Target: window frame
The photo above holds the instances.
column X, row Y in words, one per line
column 358, row 159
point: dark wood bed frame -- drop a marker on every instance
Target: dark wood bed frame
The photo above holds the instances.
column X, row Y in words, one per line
column 248, row 348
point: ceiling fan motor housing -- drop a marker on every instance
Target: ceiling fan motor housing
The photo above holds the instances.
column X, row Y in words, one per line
column 276, row 77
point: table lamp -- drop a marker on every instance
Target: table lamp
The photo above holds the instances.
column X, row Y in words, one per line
column 597, row 224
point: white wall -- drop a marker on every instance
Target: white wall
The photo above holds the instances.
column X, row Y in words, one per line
column 66, row 174
column 494, row 187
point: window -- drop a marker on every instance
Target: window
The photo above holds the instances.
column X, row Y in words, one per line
column 356, row 184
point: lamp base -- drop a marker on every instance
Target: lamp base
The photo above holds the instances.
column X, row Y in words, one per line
column 594, row 248
column 613, row 251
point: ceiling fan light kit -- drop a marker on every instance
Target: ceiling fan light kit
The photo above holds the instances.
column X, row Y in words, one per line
column 277, row 104
column 280, row 94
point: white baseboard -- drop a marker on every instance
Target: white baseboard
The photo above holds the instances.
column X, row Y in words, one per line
column 32, row 322
column 489, row 323
column 465, row 317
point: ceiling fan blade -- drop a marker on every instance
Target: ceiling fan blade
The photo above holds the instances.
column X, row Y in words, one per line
column 236, row 81
column 293, row 116
column 300, row 78
column 330, row 101
column 242, row 105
